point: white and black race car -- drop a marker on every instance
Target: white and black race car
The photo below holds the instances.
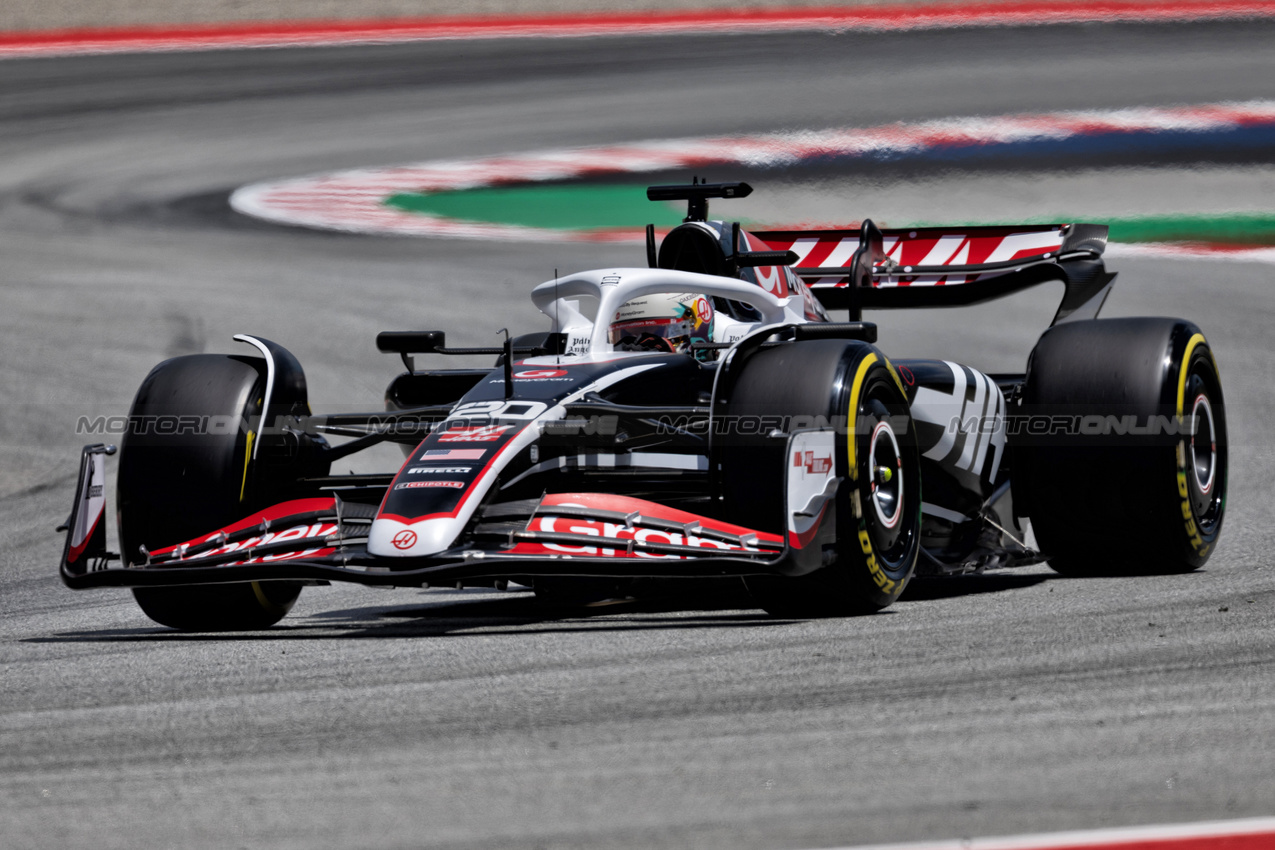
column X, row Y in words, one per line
column 703, row 417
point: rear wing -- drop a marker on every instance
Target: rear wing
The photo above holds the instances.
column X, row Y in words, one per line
column 948, row 266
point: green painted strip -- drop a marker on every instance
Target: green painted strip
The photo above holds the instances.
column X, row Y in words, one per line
column 594, row 207
column 1241, row 228
column 565, row 207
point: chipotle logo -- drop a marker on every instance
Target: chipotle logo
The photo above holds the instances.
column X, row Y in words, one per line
column 429, row 485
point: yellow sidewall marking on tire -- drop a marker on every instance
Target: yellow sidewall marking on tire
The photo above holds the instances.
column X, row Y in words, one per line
column 864, row 365
column 1196, row 339
column 247, row 456
column 1192, row 530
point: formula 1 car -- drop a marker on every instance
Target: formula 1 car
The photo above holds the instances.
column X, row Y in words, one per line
column 703, row 417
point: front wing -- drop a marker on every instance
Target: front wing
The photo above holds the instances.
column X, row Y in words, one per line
column 562, row 534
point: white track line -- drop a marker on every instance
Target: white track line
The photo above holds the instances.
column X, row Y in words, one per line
column 353, row 201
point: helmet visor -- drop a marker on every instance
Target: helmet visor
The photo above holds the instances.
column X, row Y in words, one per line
column 674, row 330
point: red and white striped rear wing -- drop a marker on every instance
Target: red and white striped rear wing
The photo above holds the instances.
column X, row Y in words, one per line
column 872, row 268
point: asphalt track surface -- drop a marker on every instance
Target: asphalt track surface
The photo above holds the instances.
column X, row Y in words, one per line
column 1015, row 702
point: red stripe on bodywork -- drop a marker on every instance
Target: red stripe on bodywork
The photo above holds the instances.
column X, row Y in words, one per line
column 607, row 502
column 416, row 458
column 283, row 509
column 654, row 510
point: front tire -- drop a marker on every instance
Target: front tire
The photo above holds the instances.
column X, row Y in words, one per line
column 184, row 470
column 851, row 387
column 219, row 607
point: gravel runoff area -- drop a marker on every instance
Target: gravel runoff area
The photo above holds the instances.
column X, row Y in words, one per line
column 67, row 14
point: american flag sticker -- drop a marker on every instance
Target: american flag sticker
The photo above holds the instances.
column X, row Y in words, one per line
column 454, row 454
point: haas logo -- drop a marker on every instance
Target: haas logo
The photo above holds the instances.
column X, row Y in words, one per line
column 541, row 373
column 703, row 311
column 404, row 539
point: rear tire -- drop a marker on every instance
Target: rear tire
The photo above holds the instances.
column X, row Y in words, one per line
column 1147, row 501
column 183, row 471
column 877, row 522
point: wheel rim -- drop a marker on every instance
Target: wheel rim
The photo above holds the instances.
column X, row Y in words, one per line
column 889, row 503
column 1204, row 451
column 1203, row 445
column 887, row 475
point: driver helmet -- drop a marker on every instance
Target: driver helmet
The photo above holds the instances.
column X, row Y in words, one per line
column 663, row 322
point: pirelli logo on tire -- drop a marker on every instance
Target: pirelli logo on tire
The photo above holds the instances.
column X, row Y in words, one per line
column 882, row 580
column 1192, row 530
column 879, row 576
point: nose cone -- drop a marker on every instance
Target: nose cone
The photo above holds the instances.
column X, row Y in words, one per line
column 390, row 538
